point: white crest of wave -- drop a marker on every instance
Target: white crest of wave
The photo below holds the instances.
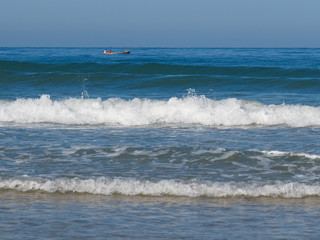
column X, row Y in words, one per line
column 133, row 187
column 281, row 153
column 139, row 112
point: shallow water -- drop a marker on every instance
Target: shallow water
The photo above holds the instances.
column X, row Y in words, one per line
column 82, row 216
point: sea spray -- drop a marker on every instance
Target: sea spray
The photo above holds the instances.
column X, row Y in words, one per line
column 84, row 92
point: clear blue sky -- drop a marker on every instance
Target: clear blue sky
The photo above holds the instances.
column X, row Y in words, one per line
column 160, row 23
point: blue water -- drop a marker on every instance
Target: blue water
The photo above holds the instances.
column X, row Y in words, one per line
column 165, row 143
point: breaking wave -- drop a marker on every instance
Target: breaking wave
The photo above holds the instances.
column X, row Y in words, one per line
column 133, row 187
column 193, row 110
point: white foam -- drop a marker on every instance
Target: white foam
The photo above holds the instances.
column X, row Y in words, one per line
column 281, row 153
column 139, row 112
column 132, row 187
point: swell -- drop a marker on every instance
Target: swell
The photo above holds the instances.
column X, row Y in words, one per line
column 157, row 68
column 154, row 77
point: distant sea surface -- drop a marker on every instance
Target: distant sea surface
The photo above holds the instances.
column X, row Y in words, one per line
column 162, row 143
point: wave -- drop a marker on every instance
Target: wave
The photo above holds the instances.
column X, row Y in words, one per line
column 158, row 68
column 203, row 154
column 155, row 75
column 191, row 110
column 294, row 154
column 134, row 187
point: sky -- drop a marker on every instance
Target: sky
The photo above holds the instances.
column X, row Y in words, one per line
column 160, row 23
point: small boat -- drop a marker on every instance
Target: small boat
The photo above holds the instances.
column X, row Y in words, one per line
column 123, row 52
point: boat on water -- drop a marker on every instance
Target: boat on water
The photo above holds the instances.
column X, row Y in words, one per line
column 110, row 53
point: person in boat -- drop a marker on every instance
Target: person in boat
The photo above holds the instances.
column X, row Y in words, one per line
column 109, row 50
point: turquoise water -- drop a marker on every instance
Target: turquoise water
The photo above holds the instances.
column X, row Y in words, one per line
column 161, row 143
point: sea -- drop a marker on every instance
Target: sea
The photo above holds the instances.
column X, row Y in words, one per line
column 161, row 143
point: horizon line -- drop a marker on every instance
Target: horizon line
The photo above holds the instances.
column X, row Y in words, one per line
column 226, row 47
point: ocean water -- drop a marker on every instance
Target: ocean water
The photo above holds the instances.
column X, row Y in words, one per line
column 163, row 143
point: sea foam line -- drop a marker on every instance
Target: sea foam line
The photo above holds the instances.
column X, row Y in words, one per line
column 134, row 187
column 281, row 153
column 140, row 112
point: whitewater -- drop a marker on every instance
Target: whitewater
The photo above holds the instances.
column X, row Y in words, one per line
column 140, row 112
column 132, row 187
